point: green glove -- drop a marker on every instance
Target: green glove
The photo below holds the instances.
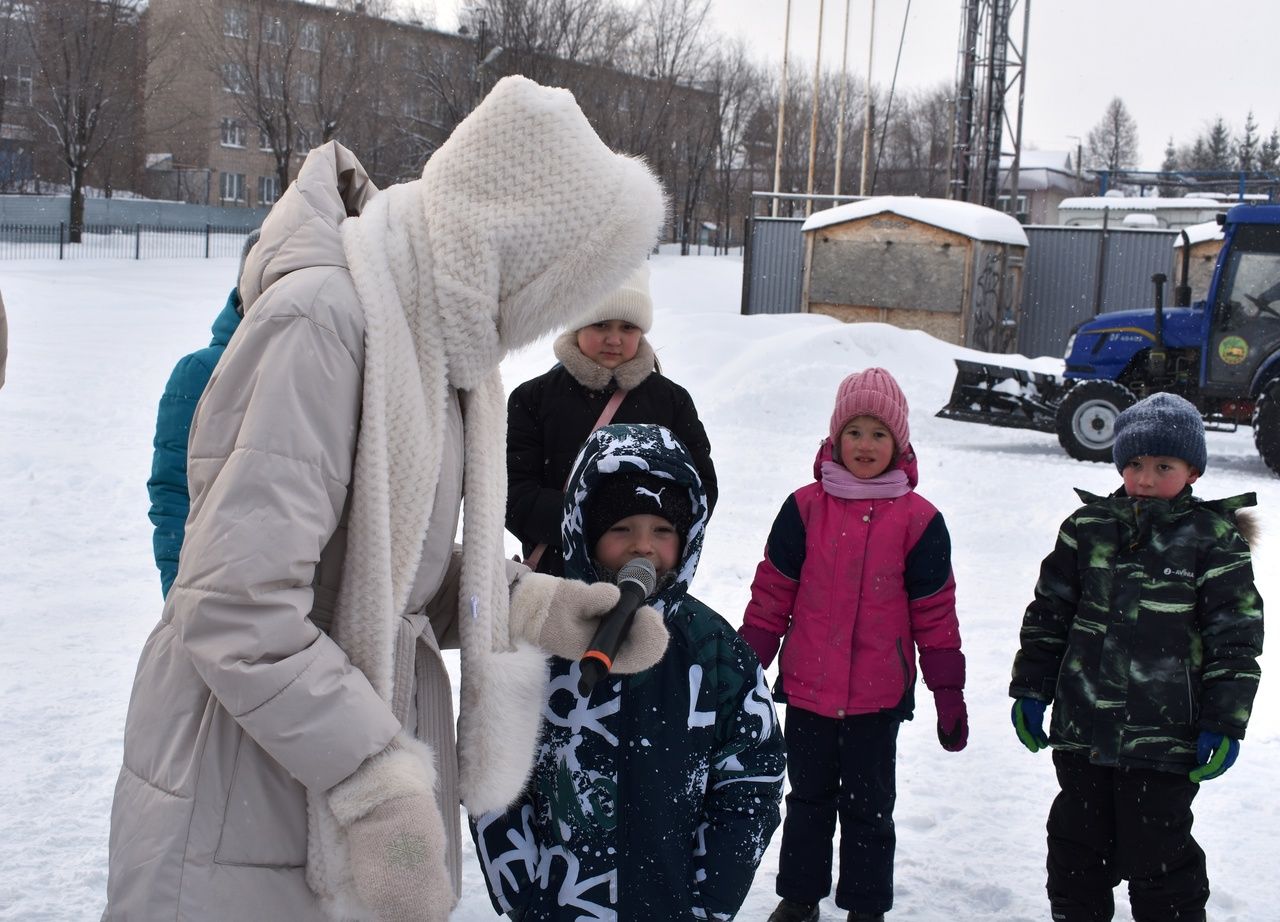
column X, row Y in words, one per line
column 1028, row 721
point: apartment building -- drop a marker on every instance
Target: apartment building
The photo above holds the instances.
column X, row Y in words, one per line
column 240, row 90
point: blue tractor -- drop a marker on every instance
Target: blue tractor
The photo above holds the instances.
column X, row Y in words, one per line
column 1222, row 354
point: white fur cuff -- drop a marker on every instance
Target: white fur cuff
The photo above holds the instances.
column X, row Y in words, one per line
column 395, row 772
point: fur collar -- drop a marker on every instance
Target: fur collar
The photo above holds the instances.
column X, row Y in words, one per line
column 594, row 377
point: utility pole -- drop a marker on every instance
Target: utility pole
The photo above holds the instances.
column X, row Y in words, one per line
column 1022, row 92
column 844, row 88
column 870, row 116
column 813, row 122
column 782, row 112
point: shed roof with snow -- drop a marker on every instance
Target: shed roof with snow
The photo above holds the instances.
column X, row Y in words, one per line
column 964, row 218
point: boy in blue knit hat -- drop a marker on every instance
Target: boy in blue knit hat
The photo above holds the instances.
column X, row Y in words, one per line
column 1144, row 635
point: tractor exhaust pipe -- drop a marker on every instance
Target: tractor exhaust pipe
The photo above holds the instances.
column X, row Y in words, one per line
column 1157, row 358
column 1182, row 294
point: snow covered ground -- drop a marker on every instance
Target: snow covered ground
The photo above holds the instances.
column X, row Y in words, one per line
column 92, row 343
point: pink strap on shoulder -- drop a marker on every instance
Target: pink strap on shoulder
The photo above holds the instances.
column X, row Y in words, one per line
column 605, row 416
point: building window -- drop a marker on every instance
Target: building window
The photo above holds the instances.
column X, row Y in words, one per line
column 302, row 145
column 380, row 45
column 273, row 31
column 346, row 44
column 1002, row 204
column 264, row 140
column 306, row 88
column 231, row 187
column 232, row 132
column 268, row 189
column 235, row 22
column 273, row 85
column 233, row 77
column 309, row 36
column 18, row 88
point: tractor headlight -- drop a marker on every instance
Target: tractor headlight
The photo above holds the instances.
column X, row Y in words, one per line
column 1071, row 344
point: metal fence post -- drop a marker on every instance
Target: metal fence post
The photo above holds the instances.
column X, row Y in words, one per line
column 62, row 236
column 137, row 241
column 207, row 229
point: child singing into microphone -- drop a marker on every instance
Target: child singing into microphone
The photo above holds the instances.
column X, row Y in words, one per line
column 654, row 797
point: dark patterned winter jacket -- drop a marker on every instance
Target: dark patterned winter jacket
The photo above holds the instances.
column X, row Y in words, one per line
column 550, row 416
column 1146, row 629
column 654, row 798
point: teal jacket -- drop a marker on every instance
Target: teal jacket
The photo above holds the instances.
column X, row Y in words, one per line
column 1146, row 629
column 168, row 484
column 655, row 797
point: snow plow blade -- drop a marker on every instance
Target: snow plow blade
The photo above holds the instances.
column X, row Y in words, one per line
column 997, row 396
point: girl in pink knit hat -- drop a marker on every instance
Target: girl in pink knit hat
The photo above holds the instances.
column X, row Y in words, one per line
column 855, row 579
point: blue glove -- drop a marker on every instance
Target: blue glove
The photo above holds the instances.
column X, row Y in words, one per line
column 1215, row 753
column 1028, row 721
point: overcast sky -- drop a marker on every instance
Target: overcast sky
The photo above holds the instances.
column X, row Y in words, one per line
column 1175, row 67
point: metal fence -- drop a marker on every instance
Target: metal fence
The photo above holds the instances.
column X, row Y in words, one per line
column 108, row 241
column 1075, row 273
column 773, row 266
column 1071, row 274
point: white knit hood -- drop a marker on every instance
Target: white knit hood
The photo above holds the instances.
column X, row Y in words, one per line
column 519, row 217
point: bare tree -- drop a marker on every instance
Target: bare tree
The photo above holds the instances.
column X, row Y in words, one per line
column 90, row 57
column 1113, row 142
column 739, row 86
column 294, row 72
column 914, row 145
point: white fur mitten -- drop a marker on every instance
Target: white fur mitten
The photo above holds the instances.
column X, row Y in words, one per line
column 395, row 837
column 561, row 616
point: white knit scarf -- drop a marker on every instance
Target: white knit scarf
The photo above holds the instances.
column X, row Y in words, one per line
column 416, row 349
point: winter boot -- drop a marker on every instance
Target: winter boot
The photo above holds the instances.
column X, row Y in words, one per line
column 866, row 917
column 791, row 911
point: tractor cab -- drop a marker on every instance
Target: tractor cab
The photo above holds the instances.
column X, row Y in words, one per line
column 1243, row 324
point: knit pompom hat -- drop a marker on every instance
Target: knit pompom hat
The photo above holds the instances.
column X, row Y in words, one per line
column 629, row 302
column 872, row 392
column 1162, row 425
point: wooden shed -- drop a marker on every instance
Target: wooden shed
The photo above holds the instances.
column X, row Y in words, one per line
column 1206, row 241
column 952, row 269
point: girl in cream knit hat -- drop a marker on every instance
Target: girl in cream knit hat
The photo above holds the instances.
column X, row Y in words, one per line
column 605, row 365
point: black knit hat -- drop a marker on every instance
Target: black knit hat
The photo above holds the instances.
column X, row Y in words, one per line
column 1162, row 425
column 636, row 493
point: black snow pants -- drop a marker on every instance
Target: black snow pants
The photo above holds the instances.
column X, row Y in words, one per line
column 845, row 767
column 1112, row 824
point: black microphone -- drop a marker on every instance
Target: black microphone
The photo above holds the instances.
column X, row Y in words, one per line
column 636, row 581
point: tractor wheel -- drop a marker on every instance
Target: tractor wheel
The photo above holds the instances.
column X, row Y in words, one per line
column 1266, row 425
column 1086, row 418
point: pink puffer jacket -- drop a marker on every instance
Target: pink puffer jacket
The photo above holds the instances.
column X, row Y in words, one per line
column 854, row 587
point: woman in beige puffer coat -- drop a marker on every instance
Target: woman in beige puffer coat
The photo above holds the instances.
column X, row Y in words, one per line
column 289, row 750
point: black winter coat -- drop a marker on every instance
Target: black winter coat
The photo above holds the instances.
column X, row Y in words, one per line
column 548, row 420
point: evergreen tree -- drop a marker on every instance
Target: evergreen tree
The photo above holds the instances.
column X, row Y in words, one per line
column 1269, row 152
column 1247, row 148
column 1169, row 165
column 1218, row 146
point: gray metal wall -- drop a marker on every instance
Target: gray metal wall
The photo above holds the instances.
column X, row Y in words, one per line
column 124, row 212
column 1060, row 282
column 773, row 267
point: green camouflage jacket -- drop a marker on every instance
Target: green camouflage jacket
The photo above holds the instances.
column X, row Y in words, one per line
column 1146, row 629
